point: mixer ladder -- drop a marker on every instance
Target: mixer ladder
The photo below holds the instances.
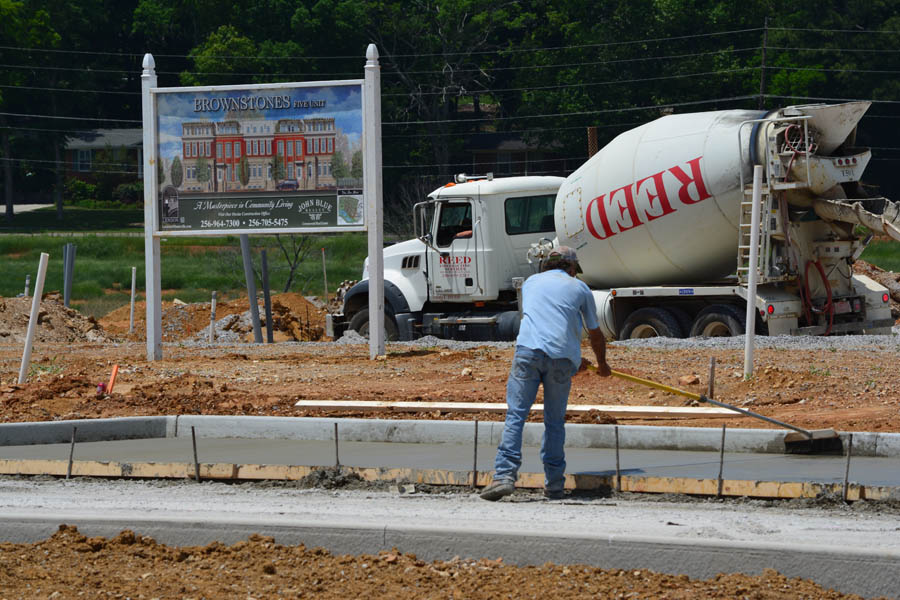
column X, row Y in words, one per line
column 787, row 139
column 764, row 236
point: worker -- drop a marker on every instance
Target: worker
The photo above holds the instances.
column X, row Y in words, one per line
column 548, row 352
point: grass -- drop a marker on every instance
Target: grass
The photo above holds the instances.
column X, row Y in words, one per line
column 883, row 254
column 74, row 219
column 191, row 267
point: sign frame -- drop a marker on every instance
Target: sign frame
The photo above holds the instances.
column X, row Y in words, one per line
column 372, row 222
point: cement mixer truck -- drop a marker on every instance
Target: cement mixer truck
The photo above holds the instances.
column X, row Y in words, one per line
column 661, row 220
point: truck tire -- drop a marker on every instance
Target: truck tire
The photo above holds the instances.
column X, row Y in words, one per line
column 718, row 320
column 650, row 322
column 684, row 319
column 360, row 324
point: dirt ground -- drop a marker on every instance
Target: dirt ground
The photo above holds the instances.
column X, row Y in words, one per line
column 849, row 390
column 71, row 565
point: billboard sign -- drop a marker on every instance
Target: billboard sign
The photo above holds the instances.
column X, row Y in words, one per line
column 260, row 159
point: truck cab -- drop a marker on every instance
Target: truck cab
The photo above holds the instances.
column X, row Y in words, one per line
column 457, row 278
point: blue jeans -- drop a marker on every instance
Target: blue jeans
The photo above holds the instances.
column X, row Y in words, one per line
column 530, row 368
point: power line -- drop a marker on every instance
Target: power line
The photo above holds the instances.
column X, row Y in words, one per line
column 578, row 113
column 71, row 118
column 835, row 30
column 425, row 72
column 418, row 55
column 834, row 99
column 820, row 70
column 45, row 89
column 582, row 85
column 872, row 50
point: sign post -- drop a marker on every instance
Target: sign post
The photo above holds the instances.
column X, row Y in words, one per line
column 372, row 170
column 153, row 277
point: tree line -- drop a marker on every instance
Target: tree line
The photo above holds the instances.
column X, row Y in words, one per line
column 457, row 75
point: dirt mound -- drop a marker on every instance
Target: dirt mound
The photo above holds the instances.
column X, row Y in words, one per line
column 55, row 322
column 70, row 563
column 294, row 318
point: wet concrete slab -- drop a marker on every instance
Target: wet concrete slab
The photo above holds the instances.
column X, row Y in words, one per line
column 870, row 471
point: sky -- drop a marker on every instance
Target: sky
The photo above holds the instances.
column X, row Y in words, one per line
column 343, row 102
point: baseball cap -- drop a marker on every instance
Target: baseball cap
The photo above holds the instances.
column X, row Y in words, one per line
column 564, row 253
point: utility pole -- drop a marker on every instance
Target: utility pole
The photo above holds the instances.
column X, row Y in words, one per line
column 762, row 74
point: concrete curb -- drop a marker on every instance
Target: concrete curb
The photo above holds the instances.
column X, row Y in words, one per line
column 846, row 570
column 87, row 430
column 635, row 437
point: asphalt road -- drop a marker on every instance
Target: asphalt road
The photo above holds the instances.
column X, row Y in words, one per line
column 852, row 549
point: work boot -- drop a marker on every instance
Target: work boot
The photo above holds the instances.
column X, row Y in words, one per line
column 554, row 494
column 497, row 490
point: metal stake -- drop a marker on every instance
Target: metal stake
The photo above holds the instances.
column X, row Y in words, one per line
column 27, row 284
column 847, row 468
column 618, row 471
column 325, row 276
column 196, row 464
column 251, row 287
column 337, row 460
column 475, row 457
column 721, row 463
column 131, row 316
column 212, row 319
column 267, row 299
column 710, row 389
column 71, row 453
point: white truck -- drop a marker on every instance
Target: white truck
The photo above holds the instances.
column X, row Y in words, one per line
column 661, row 220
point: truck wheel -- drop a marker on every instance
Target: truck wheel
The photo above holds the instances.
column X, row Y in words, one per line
column 650, row 322
column 683, row 318
column 718, row 320
column 360, row 324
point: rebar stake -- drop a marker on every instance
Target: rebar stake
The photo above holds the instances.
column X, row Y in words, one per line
column 847, row 468
column 475, row 458
column 721, row 463
column 711, row 386
column 71, row 453
column 337, row 460
column 196, row 464
column 618, row 472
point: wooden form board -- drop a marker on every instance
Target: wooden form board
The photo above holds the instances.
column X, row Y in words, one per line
column 617, row 411
column 574, row 481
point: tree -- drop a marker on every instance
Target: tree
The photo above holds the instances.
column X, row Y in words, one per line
column 203, row 174
column 339, row 166
column 244, row 171
column 278, row 167
column 176, row 172
column 356, row 168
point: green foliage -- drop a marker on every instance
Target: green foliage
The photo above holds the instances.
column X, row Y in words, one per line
column 77, row 191
column 129, row 193
column 884, row 254
column 177, row 172
column 244, row 171
column 203, row 170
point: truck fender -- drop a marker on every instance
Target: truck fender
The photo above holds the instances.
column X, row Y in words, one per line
column 357, row 298
column 603, row 300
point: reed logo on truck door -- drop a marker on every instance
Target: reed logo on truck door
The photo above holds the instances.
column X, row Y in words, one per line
column 455, row 266
column 645, row 200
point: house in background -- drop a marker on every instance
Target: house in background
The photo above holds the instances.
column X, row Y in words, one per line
column 506, row 153
column 126, row 148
